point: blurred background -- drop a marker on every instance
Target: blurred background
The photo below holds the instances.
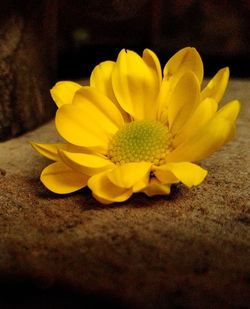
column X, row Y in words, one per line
column 91, row 31
column 44, row 41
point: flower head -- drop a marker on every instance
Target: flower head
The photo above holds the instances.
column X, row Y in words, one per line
column 136, row 129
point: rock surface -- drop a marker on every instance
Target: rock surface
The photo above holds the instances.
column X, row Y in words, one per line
column 25, row 80
column 188, row 250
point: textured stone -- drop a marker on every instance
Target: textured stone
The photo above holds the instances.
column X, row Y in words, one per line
column 27, row 65
column 190, row 249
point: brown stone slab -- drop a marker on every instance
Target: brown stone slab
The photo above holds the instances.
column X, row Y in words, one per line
column 188, row 250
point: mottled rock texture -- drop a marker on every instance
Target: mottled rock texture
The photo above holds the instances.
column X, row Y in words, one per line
column 188, row 250
column 27, row 64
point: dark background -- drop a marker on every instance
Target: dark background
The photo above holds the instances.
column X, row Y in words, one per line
column 91, row 31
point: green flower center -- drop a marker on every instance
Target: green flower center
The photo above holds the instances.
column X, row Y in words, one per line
column 140, row 141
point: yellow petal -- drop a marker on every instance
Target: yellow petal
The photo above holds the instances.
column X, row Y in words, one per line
column 153, row 63
column 63, row 92
column 155, row 187
column 61, row 179
column 88, row 164
column 217, row 85
column 230, row 111
column 141, row 184
column 187, row 59
column 90, row 121
column 79, row 149
column 91, row 100
column 202, row 114
column 102, row 200
column 105, row 191
column 188, row 173
column 49, row 151
column 135, row 85
column 183, row 101
column 210, row 138
column 101, row 79
column 164, row 175
column 163, row 101
column 129, row 174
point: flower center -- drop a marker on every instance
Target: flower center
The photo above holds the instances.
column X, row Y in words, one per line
column 140, row 141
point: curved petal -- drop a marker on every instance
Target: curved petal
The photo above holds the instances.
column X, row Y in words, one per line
column 202, row 114
column 129, row 174
column 61, row 179
column 141, row 184
column 183, row 100
column 89, row 164
column 135, row 85
column 91, row 100
column 90, row 121
column 188, row 173
column 211, row 137
column 101, row 79
column 217, row 85
column 105, row 191
column 155, row 187
column 49, row 151
column 164, row 176
column 152, row 61
column 80, row 149
column 102, row 200
column 63, row 92
column 230, row 111
column 186, row 59
column 163, row 101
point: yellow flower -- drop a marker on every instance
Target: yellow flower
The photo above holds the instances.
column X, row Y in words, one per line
column 134, row 130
